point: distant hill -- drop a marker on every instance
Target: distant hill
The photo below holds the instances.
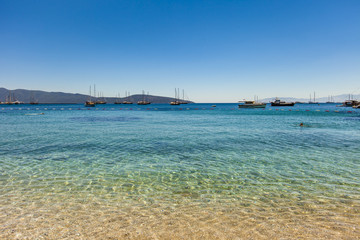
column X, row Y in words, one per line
column 338, row 98
column 61, row 97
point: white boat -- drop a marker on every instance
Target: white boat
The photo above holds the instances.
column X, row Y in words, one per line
column 251, row 104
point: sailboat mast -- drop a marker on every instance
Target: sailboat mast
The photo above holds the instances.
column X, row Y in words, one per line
column 94, row 90
column 90, row 93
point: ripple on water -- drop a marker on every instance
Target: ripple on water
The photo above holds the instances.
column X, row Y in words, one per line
column 199, row 174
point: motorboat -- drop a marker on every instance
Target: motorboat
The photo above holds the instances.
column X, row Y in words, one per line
column 280, row 103
column 251, row 104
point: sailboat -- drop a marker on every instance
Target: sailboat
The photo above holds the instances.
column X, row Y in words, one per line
column 143, row 101
column 183, row 98
column 313, row 102
column 10, row 100
column 101, row 99
column 117, row 101
column 127, row 96
column 33, row 101
column 90, row 102
column 330, row 99
column 176, row 101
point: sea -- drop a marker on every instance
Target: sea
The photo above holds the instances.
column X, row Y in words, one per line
column 194, row 171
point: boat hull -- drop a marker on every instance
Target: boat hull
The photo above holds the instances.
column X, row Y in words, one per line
column 252, row 106
column 283, row 104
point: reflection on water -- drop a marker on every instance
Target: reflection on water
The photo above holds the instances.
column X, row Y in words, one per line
column 209, row 174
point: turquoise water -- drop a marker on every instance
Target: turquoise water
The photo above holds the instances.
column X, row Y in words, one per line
column 161, row 156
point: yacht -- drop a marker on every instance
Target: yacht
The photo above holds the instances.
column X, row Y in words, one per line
column 251, row 104
column 350, row 103
column 280, row 103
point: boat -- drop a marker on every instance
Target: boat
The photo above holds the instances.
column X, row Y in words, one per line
column 280, row 103
column 175, row 103
column 313, row 102
column 101, row 99
column 10, row 100
column 176, row 99
column 356, row 106
column 90, row 102
column 251, row 104
column 350, row 103
column 143, row 101
column 117, row 101
column 16, row 102
column 127, row 96
column 100, row 102
column 183, row 101
column 33, row 101
column 330, row 99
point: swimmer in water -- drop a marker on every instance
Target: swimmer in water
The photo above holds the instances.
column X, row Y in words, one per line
column 301, row 124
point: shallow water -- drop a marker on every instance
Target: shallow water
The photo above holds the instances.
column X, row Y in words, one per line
column 187, row 172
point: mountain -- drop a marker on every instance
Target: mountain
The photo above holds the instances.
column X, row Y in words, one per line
column 61, row 97
column 338, row 98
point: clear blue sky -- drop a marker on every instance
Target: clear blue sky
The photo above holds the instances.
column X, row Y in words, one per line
column 218, row 51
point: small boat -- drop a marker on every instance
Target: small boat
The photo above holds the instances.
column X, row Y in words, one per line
column 143, row 101
column 251, row 104
column 127, row 96
column 356, row 106
column 17, row 102
column 33, row 101
column 90, row 102
column 213, row 105
column 175, row 103
column 176, row 99
column 313, row 102
column 101, row 99
column 280, row 103
column 117, row 101
column 183, row 101
column 330, row 99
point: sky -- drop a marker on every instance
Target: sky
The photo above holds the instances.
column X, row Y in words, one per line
column 217, row 51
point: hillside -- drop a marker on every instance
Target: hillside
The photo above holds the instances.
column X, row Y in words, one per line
column 61, row 97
